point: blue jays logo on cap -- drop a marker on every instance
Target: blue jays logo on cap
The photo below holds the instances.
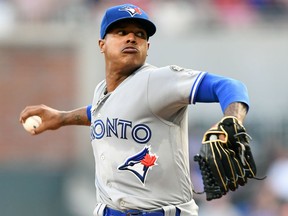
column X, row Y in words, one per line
column 131, row 10
column 124, row 12
column 140, row 163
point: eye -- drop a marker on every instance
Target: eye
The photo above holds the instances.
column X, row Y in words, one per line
column 141, row 34
column 121, row 32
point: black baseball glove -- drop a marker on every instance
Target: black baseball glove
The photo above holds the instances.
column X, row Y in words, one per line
column 225, row 158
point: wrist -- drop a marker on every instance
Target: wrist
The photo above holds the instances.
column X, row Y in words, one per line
column 238, row 110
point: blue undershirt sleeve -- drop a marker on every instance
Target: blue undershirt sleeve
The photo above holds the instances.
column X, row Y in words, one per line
column 215, row 88
column 88, row 112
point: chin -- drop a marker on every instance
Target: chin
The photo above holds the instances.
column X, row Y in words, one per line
column 134, row 63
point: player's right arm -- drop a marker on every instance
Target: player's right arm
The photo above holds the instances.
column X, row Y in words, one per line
column 53, row 119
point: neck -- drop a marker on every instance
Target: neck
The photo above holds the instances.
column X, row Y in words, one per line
column 113, row 81
column 115, row 76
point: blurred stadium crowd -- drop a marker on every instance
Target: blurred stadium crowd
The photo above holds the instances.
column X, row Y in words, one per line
column 204, row 13
column 265, row 198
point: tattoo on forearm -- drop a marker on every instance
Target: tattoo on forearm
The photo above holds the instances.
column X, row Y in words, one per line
column 238, row 110
column 78, row 119
column 75, row 117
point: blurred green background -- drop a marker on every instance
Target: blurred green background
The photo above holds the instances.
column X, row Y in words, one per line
column 49, row 55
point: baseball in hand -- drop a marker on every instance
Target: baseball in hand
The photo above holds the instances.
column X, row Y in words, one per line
column 213, row 137
column 32, row 123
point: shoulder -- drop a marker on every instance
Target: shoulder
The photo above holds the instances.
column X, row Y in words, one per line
column 170, row 68
column 168, row 72
column 175, row 71
column 146, row 67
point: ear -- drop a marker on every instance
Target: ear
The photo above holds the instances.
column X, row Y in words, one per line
column 101, row 44
column 148, row 46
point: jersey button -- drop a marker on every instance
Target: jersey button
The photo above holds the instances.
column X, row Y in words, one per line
column 122, row 203
column 102, row 157
column 109, row 184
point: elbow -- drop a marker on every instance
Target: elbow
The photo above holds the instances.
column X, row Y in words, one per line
column 232, row 91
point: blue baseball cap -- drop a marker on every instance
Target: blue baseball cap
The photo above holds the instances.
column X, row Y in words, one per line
column 126, row 12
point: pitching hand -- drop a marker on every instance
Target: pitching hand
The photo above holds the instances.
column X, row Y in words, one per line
column 52, row 119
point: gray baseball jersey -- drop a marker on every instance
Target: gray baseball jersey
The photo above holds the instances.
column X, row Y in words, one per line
column 140, row 140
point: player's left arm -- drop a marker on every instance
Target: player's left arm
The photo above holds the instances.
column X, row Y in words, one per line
column 225, row 157
column 239, row 110
column 230, row 93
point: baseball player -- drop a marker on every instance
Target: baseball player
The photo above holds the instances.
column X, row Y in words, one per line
column 138, row 121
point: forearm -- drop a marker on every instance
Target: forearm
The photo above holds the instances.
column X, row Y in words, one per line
column 75, row 117
column 237, row 109
column 52, row 119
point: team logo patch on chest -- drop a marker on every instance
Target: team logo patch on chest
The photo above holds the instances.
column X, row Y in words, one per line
column 140, row 163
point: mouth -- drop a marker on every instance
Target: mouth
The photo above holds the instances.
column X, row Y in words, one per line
column 130, row 50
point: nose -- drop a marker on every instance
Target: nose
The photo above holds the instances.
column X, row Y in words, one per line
column 131, row 38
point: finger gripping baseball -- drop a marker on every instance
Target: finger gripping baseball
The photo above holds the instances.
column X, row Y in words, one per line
column 228, row 162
